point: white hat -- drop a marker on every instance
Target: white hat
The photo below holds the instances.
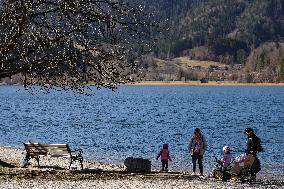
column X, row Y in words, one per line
column 226, row 148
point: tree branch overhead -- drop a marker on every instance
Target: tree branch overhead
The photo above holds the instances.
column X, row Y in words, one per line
column 74, row 43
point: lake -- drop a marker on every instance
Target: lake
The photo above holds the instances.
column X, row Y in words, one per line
column 137, row 120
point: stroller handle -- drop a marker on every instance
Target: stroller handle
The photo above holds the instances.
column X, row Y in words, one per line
column 216, row 159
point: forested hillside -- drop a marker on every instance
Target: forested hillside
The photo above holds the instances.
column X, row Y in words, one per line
column 226, row 31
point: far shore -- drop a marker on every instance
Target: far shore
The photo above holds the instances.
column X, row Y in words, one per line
column 198, row 83
column 188, row 83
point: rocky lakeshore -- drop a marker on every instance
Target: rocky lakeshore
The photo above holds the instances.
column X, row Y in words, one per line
column 54, row 173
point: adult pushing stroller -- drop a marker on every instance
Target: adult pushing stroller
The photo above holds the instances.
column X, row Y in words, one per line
column 238, row 169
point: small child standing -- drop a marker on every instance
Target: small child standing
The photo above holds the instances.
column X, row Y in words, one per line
column 165, row 156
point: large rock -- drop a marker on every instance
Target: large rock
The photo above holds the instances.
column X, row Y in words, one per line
column 137, row 165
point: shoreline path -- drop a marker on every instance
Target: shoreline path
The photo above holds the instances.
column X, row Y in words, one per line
column 54, row 174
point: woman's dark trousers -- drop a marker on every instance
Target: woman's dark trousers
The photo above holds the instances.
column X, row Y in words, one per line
column 198, row 159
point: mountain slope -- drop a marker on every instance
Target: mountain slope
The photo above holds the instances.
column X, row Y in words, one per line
column 223, row 30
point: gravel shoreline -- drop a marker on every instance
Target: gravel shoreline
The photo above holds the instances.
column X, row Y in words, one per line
column 159, row 184
column 54, row 173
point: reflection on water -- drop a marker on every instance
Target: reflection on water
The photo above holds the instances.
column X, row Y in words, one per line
column 137, row 120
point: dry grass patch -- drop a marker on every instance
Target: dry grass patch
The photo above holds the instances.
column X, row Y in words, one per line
column 194, row 63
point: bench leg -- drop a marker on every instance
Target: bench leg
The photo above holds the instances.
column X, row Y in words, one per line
column 37, row 159
column 81, row 162
column 70, row 163
column 27, row 158
column 73, row 160
column 26, row 161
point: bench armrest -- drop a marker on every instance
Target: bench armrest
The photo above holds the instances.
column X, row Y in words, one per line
column 77, row 152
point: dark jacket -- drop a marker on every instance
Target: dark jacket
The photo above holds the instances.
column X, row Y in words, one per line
column 253, row 145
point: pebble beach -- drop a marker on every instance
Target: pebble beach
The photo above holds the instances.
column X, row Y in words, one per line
column 54, row 173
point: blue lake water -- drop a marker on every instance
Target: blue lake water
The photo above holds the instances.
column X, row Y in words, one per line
column 137, row 120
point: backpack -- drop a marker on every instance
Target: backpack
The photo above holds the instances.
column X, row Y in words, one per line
column 196, row 146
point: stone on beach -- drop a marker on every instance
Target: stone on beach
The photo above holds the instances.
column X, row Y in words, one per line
column 137, row 165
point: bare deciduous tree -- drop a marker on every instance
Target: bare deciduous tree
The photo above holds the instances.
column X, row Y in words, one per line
column 70, row 44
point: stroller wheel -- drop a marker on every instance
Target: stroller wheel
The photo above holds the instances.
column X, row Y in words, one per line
column 242, row 179
column 234, row 178
column 217, row 174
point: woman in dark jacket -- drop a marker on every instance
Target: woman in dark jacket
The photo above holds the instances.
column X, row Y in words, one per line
column 253, row 146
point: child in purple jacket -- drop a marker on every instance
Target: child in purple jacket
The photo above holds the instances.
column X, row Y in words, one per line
column 227, row 157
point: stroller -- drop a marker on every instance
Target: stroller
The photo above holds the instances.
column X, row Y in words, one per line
column 238, row 169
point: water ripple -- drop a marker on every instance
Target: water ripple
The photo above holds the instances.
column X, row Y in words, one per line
column 138, row 120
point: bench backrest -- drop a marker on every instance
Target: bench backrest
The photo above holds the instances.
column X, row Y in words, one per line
column 45, row 149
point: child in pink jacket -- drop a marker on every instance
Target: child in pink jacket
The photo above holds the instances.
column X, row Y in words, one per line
column 165, row 156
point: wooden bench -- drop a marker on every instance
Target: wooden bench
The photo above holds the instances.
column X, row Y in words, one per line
column 35, row 150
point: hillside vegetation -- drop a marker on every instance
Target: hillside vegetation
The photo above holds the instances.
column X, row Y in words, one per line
column 245, row 32
column 186, row 69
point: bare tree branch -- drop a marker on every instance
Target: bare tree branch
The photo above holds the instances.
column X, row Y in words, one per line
column 68, row 44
